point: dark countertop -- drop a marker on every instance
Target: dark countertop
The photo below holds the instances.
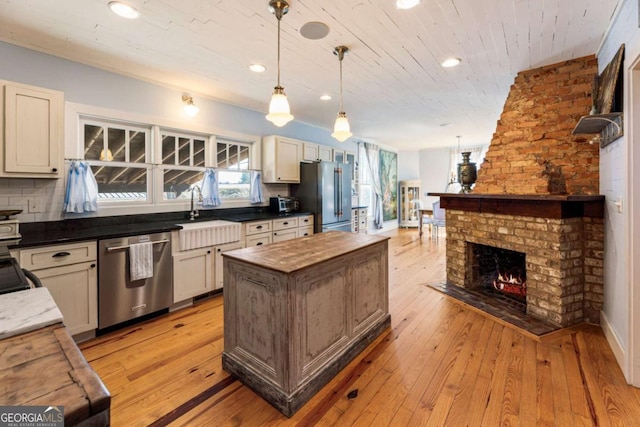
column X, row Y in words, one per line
column 76, row 230
column 359, row 207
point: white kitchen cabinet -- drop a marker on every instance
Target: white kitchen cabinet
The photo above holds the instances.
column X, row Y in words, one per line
column 218, row 268
column 192, row 273
column 325, row 154
column 258, row 233
column 70, row 274
column 315, row 152
column 32, row 132
column 285, row 229
column 281, row 160
column 338, row 156
column 259, row 239
column 310, row 152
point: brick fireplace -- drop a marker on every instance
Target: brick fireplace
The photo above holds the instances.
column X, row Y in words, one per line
column 537, row 195
column 561, row 237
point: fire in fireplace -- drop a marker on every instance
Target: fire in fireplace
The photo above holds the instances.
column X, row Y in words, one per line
column 500, row 270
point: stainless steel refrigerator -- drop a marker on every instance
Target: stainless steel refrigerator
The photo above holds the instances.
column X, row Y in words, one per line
column 325, row 191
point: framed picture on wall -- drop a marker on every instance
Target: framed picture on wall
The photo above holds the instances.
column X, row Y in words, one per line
column 389, row 184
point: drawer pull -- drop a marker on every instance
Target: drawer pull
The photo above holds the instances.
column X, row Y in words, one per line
column 285, row 223
column 259, row 244
column 60, row 254
column 259, row 227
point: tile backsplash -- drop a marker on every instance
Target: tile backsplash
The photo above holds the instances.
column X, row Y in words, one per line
column 39, row 199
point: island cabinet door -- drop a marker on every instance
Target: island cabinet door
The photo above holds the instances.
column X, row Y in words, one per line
column 254, row 320
column 370, row 289
column 320, row 318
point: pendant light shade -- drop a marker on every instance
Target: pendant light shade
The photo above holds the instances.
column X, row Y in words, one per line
column 279, row 110
column 341, row 129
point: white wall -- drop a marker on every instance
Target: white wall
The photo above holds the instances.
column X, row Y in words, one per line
column 434, row 173
column 87, row 85
column 616, row 184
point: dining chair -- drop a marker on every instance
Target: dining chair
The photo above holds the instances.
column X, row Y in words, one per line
column 439, row 219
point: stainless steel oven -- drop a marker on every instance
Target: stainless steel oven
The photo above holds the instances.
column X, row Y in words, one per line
column 121, row 299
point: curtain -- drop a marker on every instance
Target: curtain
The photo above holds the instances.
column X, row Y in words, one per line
column 477, row 157
column 82, row 189
column 373, row 160
column 256, row 187
column 210, row 189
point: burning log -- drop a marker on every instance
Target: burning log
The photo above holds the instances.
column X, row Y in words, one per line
column 510, row 284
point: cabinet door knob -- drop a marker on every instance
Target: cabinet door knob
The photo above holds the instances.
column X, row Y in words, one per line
column 208, row 252
column 60, row 254
column 54, row 170
column 219, row 250
column 93, row 266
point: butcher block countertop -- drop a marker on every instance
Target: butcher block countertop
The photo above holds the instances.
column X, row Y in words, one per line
column 296, row 254
column 45, row 367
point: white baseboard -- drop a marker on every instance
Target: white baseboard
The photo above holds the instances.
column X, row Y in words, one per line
column 614, row 343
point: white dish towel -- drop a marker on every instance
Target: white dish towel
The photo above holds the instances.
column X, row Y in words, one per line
column 141, row 260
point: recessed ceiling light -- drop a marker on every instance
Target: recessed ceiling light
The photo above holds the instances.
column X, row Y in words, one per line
column 406, row 4
column 314, row 30
column 124, row 10
column 257, row 68
column 325, row 97
column 451, row 62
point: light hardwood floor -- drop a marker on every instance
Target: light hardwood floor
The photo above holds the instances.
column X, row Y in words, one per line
column 440, row 364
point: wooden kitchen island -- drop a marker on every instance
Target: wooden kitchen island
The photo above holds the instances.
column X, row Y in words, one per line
column 297, row 312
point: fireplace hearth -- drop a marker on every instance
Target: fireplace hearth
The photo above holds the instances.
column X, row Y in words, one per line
column 543, row 252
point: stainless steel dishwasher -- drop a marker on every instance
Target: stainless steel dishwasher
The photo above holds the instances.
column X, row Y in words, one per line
column 119, row 298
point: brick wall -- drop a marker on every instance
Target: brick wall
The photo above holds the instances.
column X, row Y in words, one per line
column 564, row 259
column 532, row 150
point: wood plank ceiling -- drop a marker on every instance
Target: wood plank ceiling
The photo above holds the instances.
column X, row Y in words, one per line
column 395, row 91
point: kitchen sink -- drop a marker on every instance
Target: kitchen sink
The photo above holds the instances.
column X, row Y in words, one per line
column 195, row 235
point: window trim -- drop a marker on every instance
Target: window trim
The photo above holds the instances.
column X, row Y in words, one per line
column 74, row 149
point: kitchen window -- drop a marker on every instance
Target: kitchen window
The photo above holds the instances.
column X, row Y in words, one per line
column 232, row 161
column 119, row 159
column 137, row 164
column 183, row 162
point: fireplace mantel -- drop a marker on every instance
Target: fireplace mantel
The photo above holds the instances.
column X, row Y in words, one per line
column 538, row 206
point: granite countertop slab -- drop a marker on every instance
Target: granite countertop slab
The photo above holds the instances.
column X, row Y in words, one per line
column 27, row 310
column 52, row 236
column 77, row 230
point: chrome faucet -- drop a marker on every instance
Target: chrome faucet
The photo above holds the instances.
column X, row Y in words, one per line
column 194, row 211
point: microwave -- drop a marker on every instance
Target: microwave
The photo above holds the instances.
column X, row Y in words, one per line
column 282, row 204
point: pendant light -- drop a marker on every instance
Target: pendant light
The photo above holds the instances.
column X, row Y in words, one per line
column 341, row 130
column 279, row 112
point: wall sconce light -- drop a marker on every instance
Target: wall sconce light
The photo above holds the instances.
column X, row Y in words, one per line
column 341, row 130
column 190, row 108
column 279, row 110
